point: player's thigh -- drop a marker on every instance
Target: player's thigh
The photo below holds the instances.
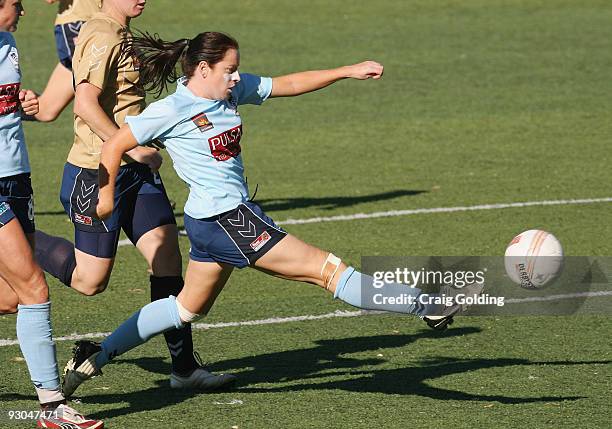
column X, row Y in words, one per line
column 294, row 259
column 160, row 248
column 95, row 256
column 150, row 224
column 93, row 270
column 203, row 283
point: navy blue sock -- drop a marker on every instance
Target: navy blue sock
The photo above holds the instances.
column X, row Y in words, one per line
column 179, row 341
column 56, row 256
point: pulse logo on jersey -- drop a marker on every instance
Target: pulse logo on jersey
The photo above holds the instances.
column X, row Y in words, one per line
column 202, row 122
column 9, row 98
column 227, row 144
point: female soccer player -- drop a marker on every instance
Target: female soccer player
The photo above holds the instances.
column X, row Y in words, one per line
column 107, row 90
column 201, row 128
column 20, row 277
column 59, row 91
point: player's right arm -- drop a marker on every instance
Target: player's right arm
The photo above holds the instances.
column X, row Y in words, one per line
column 155, row 122
column 123, row 141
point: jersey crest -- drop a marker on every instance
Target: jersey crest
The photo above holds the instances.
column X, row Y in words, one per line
column 202, row 122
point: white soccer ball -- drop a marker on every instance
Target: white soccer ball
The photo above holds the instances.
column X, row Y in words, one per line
column 534, row 258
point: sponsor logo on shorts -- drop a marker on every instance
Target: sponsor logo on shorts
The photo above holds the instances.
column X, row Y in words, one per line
column 227, row 144
column 4, row 207
column 85, row 220
column 259, row 242
column 202, row 122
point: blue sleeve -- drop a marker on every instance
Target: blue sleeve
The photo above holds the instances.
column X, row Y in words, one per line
column 153, row 123
column 252, row 89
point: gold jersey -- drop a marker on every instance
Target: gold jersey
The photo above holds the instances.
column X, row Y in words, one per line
column 76, row 10
column 98, row 60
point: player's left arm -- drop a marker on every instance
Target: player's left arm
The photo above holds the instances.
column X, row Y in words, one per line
column 300, row 83
column 110, row 160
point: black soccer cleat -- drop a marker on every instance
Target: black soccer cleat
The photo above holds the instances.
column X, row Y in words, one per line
column 82, row 366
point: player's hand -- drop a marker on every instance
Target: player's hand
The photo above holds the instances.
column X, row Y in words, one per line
column 147, row 155
column 365, row 70
column 104, row 209
column 29, row 102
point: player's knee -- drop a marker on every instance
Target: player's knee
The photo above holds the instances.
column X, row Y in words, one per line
column 32, row 287
column 94, row 289
column 329, row 270
column 8, row 307
column 186, row 315
column 90, row 288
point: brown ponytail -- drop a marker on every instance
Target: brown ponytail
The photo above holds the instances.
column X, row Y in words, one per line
column 157, row 58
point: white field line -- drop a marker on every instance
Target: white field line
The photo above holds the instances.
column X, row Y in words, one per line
column 410, row 212
column 560, row 297
column 337, row 313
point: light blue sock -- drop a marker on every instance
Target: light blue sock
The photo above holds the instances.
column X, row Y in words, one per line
column 152, row 319
column 357, row 289
column 37, row 346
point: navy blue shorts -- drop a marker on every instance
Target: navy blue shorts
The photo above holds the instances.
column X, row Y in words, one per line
column 238, row 237
column 141, row 205
column 65, row 35
column 17, row 201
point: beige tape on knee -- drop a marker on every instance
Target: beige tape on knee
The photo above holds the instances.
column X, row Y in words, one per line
column 186, row 315
column 329, row 269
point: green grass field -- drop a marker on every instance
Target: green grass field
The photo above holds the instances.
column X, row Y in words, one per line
column 482, row 102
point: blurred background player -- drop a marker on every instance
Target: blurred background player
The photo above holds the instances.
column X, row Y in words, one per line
column 201, row 128
column 59, row 91
column 108, row 89
column 21, row 280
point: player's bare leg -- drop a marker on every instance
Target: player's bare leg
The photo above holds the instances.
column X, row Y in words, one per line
column 294, row 259
column 92, row 273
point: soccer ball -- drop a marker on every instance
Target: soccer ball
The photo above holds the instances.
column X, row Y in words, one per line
column 534, row 258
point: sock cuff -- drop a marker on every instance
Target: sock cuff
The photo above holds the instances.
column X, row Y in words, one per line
column 46, row 396
column 31, row 308
column 174, row 312
column 344, row 277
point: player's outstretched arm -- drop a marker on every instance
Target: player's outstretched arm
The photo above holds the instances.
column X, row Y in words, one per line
column 110, row 160
column 300, row 83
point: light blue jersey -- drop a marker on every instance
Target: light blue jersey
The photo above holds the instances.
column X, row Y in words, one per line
column 13, row 153
column 203, row 139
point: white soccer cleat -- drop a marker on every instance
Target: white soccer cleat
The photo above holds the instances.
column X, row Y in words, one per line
column 201, row 379
column 66, row 417
column 81, row 367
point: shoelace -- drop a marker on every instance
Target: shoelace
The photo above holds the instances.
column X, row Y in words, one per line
column 199, row 360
